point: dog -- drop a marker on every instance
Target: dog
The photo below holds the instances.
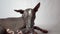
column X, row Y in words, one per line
column 20, row 23
column 29, row 17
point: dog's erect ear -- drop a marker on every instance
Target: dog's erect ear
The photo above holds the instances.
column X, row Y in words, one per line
column 21, row 11
column 36, row 7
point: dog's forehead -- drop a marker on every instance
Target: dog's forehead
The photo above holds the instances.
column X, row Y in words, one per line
column 29, row 9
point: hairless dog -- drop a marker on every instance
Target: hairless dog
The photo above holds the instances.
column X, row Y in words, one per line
column 26, row 21
column 29, row 17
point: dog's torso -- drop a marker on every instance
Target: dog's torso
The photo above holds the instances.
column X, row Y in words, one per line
column 12, row 23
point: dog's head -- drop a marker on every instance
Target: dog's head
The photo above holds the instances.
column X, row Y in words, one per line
column 29, row 12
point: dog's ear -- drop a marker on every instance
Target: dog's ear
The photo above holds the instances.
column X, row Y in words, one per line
column 21, row 11
column 36, row 7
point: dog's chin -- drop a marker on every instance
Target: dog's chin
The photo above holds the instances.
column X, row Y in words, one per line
column 20, row 32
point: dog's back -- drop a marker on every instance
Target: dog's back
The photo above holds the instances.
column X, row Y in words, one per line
column 12, row 23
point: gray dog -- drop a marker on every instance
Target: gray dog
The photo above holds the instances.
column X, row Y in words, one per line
column 25, row 22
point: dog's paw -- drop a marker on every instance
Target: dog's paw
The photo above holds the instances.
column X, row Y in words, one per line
column 10, row 31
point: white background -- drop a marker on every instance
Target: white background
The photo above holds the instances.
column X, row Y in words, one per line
column 47, row 17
